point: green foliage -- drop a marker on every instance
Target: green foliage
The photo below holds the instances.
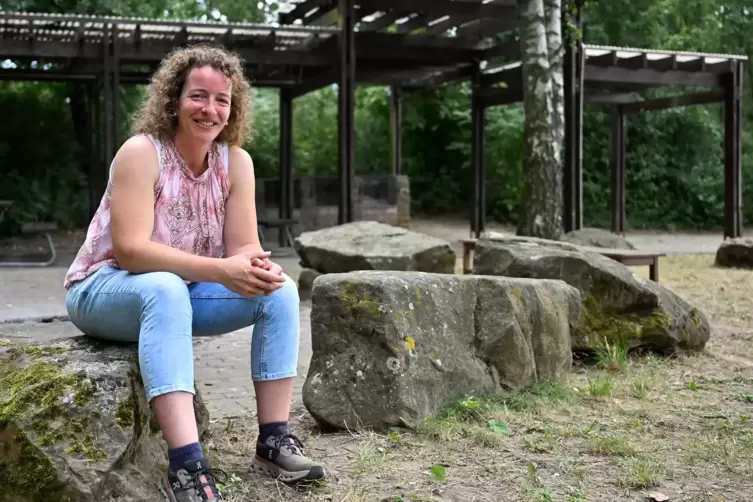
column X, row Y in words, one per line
column 674, row 157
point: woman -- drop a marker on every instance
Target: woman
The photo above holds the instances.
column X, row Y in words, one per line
column 152, row 268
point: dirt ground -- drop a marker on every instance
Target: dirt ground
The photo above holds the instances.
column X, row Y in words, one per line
column 621, row 429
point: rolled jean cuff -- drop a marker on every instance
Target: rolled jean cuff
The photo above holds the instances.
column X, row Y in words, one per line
column 152, row 393
column 274, row 376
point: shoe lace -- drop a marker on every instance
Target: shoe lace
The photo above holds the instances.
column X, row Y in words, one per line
column 212, row 476
column 291, row 442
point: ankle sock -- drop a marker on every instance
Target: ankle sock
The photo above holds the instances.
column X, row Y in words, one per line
column 266, row 430
column 179, row 456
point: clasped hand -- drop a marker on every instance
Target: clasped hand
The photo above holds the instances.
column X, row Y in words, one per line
column 252, row 274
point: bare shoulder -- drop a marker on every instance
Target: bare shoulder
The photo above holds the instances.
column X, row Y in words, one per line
column 240, row 165
column 137, row 155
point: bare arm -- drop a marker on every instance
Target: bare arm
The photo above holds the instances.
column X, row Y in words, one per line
column 240, row 233
column 132, row 218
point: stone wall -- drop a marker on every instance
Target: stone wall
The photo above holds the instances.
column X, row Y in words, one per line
column 382, row 198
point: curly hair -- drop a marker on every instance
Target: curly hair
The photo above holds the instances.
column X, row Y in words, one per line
column 158, row 115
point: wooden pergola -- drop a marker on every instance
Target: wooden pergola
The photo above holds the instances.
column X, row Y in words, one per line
column 408, row 45
column 612, row 76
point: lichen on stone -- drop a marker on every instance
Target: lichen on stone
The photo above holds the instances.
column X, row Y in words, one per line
column 354, row 301
column 37, row 392
column 25, row 473
column 124, row 412
column 37, row 350
column 599, row 324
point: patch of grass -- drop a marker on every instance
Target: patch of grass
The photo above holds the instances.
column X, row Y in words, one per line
column 370, row 458
column 600, row 386
column 542, row 443
column 546, row 394
column 730, row 453
column 576, row 494
column 640, row 472
column 612, row 356
column 612, row 444
column 642, row 384
column 478, row 418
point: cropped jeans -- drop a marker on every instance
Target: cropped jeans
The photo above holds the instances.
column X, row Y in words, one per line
column 161, row 312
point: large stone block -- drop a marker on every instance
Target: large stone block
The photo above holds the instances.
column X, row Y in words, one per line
column 392, row 348
column 618, row 305
column 598, row 238
column 75, row 425
column 369, row 245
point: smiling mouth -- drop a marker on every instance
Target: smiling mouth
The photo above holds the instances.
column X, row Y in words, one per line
column 205, row 123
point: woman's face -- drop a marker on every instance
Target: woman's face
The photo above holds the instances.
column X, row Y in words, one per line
column 204, row 105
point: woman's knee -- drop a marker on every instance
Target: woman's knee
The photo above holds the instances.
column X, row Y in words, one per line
column 285, row 298
column 164, row 290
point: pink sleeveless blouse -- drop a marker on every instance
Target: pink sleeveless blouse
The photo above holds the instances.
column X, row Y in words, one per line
column 189, row 212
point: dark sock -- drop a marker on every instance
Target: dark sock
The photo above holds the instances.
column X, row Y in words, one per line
column 266, row 430
column 179, row 456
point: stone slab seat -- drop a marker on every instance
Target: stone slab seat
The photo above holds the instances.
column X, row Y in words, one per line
column 75, row 424
column 627, row 257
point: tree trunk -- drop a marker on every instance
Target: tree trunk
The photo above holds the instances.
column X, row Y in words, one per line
column 543, row 102
column 553, row 16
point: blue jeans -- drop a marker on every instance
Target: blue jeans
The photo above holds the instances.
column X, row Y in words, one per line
column 162, row 313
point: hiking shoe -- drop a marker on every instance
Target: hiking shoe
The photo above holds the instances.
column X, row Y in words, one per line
column 282, row 456
column 195, row 482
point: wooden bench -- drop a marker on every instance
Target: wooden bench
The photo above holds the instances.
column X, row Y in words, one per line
column 283, row 225
column 627, row 257
column 630, row 257
column 469, row 245
column 44, row 228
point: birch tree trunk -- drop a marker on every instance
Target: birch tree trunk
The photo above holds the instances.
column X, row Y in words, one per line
column 556, row 51
column 543, row 102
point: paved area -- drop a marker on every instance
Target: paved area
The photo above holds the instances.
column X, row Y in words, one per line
column 32, row 306
column 31, row 294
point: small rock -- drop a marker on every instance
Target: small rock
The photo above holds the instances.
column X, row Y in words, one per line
column 735, row 253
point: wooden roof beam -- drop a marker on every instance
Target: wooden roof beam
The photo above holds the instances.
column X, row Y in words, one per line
column 156, row 50
column 436, row 80
column 418, row 21
column 307, row 11
column 385, row 20
column 481, row 29
column 699, row 98
column 649, row 76
column 443, row 7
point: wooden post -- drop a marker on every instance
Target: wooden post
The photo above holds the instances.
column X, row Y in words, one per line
column 346, row 111
column 733, row 216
